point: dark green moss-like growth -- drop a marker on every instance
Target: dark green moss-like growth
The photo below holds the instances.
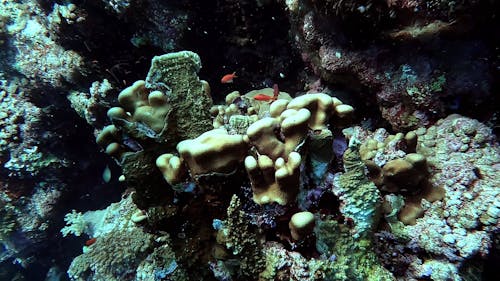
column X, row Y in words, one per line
column 361, row 197
column 355, row 259
column 141, row 174
column 239, row 237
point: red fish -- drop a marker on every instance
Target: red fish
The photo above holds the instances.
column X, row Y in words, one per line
column 262, row 97
column 90, row 241
column 228, row 78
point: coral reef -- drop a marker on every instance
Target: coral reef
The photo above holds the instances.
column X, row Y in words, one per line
column 395, row 168
column 92, row 106
column 353, row 258
column 360, row 198
column 274, row 166
column 18, row 148
column 169, row 103
column 159, row 23
column 281, row 262
column 8, row 222
column 281, row 143
column 268, row 177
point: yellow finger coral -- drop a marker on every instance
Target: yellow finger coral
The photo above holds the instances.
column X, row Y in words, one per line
column 301, row 224
column 274, row 182
column 214, row 151
column 322, row 107
column 142, row 105
column 172, row 168
column 263, row 134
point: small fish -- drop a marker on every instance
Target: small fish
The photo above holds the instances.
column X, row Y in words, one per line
column 106, row 174
column 228, row 78
column 262, row 97
column 90, row 241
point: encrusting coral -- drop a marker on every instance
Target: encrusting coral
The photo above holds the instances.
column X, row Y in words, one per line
column 395, row 167
column 360, row 198
column 282, row 262
column 354, row 258
column 462, row 155
column 175, row 75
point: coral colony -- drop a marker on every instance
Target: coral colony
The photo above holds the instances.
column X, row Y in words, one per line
column 357, row 143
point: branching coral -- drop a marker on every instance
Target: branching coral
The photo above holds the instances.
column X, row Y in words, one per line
column 274, row 181
column 75, row 224
column 301, row 225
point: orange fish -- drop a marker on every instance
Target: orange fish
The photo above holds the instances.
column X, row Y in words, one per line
column 228, row 78
column 262, row 97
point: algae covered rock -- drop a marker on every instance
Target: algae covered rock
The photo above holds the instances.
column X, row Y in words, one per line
column 175, row 74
